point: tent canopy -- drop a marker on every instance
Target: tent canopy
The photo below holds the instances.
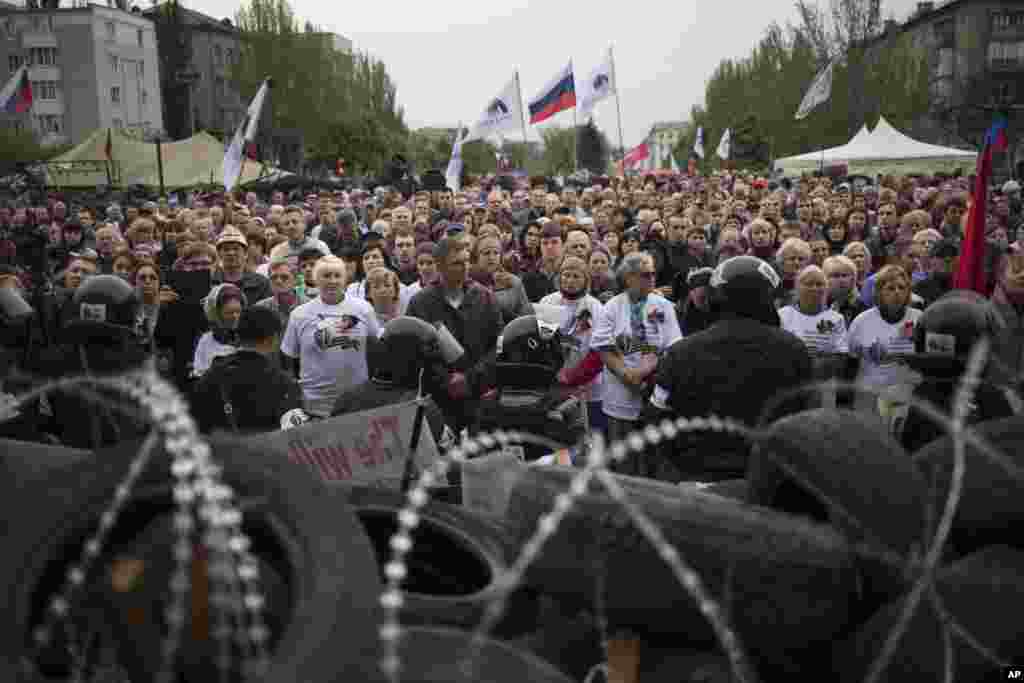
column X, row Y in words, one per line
column 198, row 160
column 884, row 150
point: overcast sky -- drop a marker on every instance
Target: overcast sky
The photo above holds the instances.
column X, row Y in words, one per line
column 450, row 58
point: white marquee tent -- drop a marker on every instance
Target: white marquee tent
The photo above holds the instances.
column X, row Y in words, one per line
column 884, row 150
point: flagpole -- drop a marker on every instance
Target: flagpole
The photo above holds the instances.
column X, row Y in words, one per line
column 522, row 120
column 618, row 106
column 575, row 131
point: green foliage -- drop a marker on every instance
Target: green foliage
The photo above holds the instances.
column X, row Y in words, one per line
column 594, row 150
column 559, row 150
column 757, row 97
column 344, row 103
column 174, row 52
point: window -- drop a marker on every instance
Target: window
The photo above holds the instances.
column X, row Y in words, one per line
column 138, row 35
column 142, row 69
column 230, row 56
column 44, row 90
column 111, row 31
column 145, row 97
column 50, row 123
column 42, row 56
column 115, row 63
column 14, row 62
column 1005, row 54
column 118, row 124
column 115, row 94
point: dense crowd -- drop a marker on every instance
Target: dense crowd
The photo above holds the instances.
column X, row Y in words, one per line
column 257, row 305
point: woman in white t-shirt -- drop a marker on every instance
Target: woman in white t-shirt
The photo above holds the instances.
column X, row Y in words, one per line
column 374, row 257
column 328, row 336
column 580, row 312
column 820, row 328
column 634, row 328
column 880, row 335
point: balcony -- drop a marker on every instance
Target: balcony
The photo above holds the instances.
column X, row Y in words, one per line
column 1005, row 65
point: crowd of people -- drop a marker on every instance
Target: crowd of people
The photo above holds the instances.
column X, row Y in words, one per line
column 255, row 306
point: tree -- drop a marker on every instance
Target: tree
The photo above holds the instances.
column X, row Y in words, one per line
column 327, row 94
column 174, row 50
column 593, row 149
column 559, row 149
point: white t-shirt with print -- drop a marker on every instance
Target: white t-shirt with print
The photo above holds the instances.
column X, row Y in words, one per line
column 614, row 332
column 824, row 332
column 330, row 341
column 577, row 327
column 873, row 339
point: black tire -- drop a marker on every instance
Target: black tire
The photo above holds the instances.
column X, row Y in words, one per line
column 846, row 456
column 791, row 583
column 326, row 558
column 455, row 560
column 434, row 655
column 984, row 592
column 20, row 459
column 991, row 507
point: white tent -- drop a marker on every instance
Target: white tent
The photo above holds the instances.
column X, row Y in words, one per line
column 811, row 161
column 885, row 150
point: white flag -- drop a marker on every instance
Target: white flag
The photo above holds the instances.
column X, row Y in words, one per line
column 504, row 112
column 595, row 86
column 698, row 144
column 820, row 91
column 453, row 174
column 233, row 158
column 256, row 110
column 723, row 145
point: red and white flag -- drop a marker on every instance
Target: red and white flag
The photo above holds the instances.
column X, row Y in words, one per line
column 635, row 156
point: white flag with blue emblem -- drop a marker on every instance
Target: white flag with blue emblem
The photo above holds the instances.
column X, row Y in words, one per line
column 595, row 86
column 698, row 144
column 503, row 112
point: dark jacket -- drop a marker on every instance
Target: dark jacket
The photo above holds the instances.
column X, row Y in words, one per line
column 733, row 369
column 476, row 324
column 244, row 392
column 1009, row 343
column 254, row 286
column 989, row 403
column 933, row 286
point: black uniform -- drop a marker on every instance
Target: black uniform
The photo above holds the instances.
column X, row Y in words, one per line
column 989, row 403
column 245, row 392
column 733, row 369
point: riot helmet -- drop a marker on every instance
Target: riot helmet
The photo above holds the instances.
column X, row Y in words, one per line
column 105, row 308
column 406, row 346
column 530, row 353
column 745, row 287
column 948, row 329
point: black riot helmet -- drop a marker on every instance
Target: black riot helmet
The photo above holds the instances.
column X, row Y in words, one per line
column 529, row 353
column 105, row 309
column 745, row 287
column 948, row 329
column 15, row 315
column 406, row 346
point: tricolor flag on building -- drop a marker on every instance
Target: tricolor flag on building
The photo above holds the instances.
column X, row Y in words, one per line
column 558, row 95
column 16, row 97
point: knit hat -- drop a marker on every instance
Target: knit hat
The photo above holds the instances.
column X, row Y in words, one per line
column 232, row 235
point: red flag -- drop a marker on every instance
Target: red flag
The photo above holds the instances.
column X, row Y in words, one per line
column 109, row 147
column 635, row 156
column 970, row 273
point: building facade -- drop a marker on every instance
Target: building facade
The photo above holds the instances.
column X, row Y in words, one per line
column 975, row 52
column 91, row 67
column 661, row 140
column 210, row 100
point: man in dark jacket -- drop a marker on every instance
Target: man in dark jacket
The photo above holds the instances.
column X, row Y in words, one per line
column 734, row 369
column 247, row 392
column 470, row 312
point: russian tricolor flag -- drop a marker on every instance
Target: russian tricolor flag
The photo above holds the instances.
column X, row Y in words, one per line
column 558, row 95
column 16, row 96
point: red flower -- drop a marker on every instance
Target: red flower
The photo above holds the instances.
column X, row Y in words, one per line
column 908, row 329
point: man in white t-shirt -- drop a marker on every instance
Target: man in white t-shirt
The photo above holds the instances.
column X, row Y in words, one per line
column 328, row 338
column 634, row 328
